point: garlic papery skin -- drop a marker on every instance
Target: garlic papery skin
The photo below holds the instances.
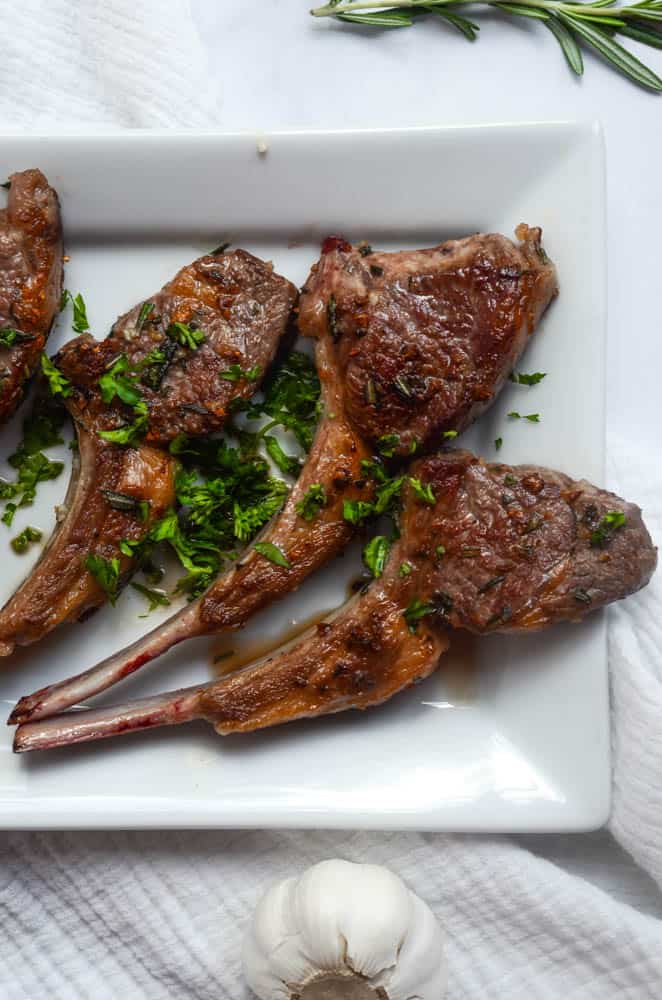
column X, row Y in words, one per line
column 344, row 931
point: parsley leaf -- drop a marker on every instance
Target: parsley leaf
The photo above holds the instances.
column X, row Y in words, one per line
column 132, row 433
column 611, row 522
column 156, row 598
column 449, row 435
column 79, row 323
column 387, row 444
column 146, row 310
column 58, row 383
column 288, row 464
column 534, row 418
column 498, row 442
column 523, row 379
column 106, row 572
column 272, row 553
column 116, row 382
column 356, row 511
column 185, row 335
column 312, row 502
column 235, row 373
column 21, row 543
column 9, row 336
column 375, row 554
column 423, row 493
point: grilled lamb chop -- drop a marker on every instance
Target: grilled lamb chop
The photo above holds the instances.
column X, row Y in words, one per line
column 242, row 309
column 30, row 280
column 409, row 345
column 498, row 549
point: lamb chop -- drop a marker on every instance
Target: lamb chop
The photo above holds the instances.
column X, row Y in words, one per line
column 160, row 373
column 30, row 280
column 483, row 547
column 409, row 345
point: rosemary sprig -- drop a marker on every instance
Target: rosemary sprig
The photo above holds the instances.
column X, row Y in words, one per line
column 592, row 24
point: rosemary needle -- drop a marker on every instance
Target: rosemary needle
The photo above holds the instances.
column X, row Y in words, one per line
column 593, row 24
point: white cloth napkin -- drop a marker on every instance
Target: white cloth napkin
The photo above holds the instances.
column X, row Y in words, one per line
column 161, row 915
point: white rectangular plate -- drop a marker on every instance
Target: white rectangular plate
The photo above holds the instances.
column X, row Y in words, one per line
column 512, row 733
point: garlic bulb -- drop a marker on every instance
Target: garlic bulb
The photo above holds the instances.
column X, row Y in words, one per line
column 344, row 932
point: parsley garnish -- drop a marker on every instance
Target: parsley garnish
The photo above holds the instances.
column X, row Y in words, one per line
column 289, row 464
column 387, row 444
column 375, row 554
column 120, row 381
column 79, row 323
column 498, row 442
column 312, row 502
column 272, row 553
column 415, row 610
column 405, row 569
column 106, row 572
column 185, row 335
column 132, row 433
column 423, row 493
column 235, row 373
column 156, row 598
column 9, row 336
column 523, row 379
column 21, row 543
column 533, row 417
column 611, row 522
column 58, row 383
column 356, row 511
column 449, row 435
column 440, row 551
column 40, row 430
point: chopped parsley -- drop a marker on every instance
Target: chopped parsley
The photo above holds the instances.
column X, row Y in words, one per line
column 9, row 336
column 106, row 572
column 120, row 381
column 415, row 610
column 440, row 551
column 41, row 429
column 534, row 418
column 449, row 435
column 235, row 373
column 289, row 464
column 312, row 502
column 612, row 521
column 79, row 323
column 521, row 378
column 185, row 335
column 291, row 400
column 375, row 554
column 272, row 553
column 130, row 434
column 422, row 492
column 498, row 442
column 405, row 569
column 58, row 383
column 156, row 598
column 356, row 511
column 387, row 444
column 22, row 542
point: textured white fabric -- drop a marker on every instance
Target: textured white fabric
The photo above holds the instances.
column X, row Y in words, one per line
column 161, row 915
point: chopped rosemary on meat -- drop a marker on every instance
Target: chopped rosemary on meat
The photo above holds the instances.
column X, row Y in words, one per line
column 146, row 310
column 415, row 610
column 235, row 373
column 106, row 572
column 22, row 542
column 370, row 392
column 312, row 502
column 58, row 384
column 581, row 595
column 376, row 271
column 494, row 582
column 375, row 554
column 124, row 502
column 498, row 442
column 402, row 387
column 273, row 553
column 9, row 337
column 422, row 492
column 521, row 378
column 612, row 521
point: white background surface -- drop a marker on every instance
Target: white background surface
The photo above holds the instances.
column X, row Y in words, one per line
column 160, row 915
